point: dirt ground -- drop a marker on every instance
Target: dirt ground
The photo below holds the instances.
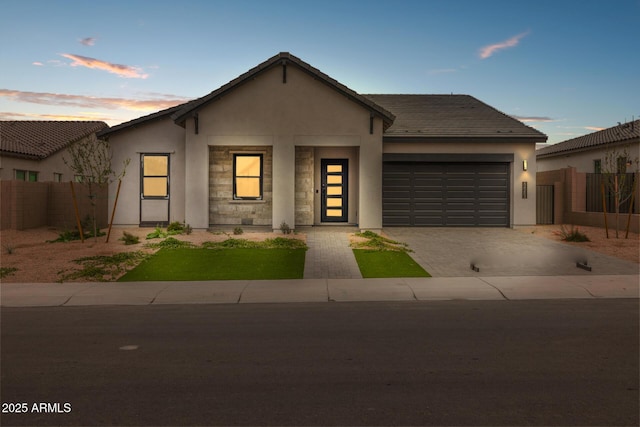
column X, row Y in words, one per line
column 41, row 262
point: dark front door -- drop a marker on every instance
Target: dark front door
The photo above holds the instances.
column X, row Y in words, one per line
column 335, row 175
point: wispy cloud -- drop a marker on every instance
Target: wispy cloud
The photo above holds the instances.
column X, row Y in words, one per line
column 125, row 71
column 5, row 115
column 529, row 119
column 88, row 41
column 489, row 50
column 594, row 128
column 37, row 63
column 159, row 102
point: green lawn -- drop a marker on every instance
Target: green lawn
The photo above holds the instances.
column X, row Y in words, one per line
column 374, row 263
column 222, row 264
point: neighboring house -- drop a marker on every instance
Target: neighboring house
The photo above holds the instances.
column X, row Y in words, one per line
column 570, row 177
column 34, row 150
column 284, row 142
column 587, row 153
column 34, row 189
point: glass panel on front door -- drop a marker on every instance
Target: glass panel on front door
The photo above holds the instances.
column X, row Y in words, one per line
column 334, row 190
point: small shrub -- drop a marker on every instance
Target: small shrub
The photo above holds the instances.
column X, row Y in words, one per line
column 284, row 243
column 170, row 243
column 284, row 227
column 231, row 244
column 129, row 239
column 571, row 235
column 238, row 231
column 380, row 243
column 103, row 267
column 70, row 235
column 187, row 229
column 175, row 227
column 275, row 243
column 5, row 271
column 157, row 233
column 9, row 248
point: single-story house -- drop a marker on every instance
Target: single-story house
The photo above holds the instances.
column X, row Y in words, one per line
column 570, row 177
column 34, row 179
column 286, row 143
column 34, row 150
column 588, row 153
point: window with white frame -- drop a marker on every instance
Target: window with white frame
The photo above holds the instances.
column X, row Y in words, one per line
column 24, row 175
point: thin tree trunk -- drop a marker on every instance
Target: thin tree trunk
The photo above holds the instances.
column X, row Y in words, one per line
column 604, row 210
column 616, row 196
column 113, row 213
column 633, row 195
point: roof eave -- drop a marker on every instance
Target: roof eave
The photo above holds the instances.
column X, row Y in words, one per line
column 180, row 116
column 135, row 122
column 488, row 138
column 20, row 155
column 567, row 151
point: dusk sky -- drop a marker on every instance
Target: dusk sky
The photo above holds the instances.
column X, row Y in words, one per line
column 565, row 67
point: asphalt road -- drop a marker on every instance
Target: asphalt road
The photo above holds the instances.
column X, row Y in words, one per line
column 561, row 362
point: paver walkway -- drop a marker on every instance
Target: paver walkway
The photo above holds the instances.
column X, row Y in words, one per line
column 329, row 255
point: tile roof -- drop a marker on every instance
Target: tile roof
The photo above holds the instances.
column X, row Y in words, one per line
column 280, row 59
column 40, row 139
column 450, row 116
column 620, row 133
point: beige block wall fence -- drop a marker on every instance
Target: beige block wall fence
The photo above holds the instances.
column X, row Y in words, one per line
column 25, row 205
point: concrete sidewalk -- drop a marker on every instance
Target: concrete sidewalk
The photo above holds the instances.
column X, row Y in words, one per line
column 319, row 290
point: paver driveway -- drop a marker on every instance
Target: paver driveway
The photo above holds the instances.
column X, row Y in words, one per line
column 449, row 252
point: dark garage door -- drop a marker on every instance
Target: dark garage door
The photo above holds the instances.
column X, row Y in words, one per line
column 445, row 194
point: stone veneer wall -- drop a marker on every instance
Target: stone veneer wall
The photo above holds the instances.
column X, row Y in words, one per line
column 223, row 210
column 304, row 186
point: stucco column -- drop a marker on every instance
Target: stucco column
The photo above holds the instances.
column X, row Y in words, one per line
column 370, row 194
column 523, row 210
column 196, row 181
column 284, row 167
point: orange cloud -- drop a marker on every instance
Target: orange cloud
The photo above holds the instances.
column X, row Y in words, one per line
column 594, row 128
column 489, row 50
column 5, row 115
column 125, row 71
column 158, row 102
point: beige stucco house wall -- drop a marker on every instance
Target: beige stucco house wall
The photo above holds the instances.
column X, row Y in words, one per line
column 584, row 160
column 299, row 121
column 294, row 124
column 158, row 137
column 46, row 168
column 523, row 210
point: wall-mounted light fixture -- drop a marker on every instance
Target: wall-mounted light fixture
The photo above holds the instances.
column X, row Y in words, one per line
column 524, row 165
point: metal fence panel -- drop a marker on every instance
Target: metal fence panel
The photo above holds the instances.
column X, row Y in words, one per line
column 544, row 204
column 594, row 192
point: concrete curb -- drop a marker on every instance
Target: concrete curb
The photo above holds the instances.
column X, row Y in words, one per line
column 319, row 290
